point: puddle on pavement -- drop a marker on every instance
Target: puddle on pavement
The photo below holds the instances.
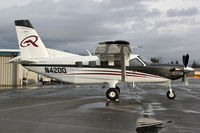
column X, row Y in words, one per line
column 18, row 87
column 92, row 106
column 125, row 106
column 146, row 124
column 191, row 111
column 149, row 108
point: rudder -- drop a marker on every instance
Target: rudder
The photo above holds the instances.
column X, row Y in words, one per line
column 30, row 44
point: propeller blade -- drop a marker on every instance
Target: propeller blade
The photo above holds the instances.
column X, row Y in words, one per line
column 185, row 79
column 185, row 60
column 186, row 69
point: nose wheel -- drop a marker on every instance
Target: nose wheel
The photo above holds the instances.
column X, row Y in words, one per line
column 171, row 94
column 112, row 94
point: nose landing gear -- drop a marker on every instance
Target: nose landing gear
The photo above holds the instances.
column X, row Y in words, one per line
column 171, row 94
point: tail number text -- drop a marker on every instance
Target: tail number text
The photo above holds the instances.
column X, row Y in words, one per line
column 55, row 70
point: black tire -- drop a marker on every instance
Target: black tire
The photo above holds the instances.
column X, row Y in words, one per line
column 172, row 96
column 112, row 94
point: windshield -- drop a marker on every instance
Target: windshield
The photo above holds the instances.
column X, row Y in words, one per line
column 145, row 60
column 135, row 62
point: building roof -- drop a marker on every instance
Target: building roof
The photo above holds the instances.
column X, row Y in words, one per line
column 9, row 52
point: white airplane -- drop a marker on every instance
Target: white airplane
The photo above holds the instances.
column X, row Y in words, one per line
column 73, row 68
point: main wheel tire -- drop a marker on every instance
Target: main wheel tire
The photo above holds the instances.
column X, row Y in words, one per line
column 112, row 94
column 171, row 95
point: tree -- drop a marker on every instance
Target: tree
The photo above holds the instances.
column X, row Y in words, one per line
column 195, row 64
column 155, row 60
column 174, row 62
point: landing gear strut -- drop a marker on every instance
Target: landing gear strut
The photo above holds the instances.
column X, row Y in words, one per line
column 171, row 94
column 112, row 94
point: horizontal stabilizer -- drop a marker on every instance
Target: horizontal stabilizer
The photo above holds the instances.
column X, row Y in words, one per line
column 19, row 60
column 58, row 53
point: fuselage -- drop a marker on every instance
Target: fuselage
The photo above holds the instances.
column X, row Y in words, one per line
column 78, row 69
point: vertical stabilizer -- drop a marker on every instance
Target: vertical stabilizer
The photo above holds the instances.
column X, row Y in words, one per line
column 30, row 44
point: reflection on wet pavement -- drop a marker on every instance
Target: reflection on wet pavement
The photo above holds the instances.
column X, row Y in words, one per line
column 149, row 125
column 150, row 129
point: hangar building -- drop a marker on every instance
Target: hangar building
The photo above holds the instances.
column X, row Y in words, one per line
column 14, row 74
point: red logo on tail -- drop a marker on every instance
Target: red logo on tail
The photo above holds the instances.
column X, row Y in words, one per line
column 30, row 40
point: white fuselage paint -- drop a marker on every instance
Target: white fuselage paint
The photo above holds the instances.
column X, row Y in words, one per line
column 59, row 68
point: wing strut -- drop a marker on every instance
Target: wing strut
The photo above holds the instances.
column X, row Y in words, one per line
column 123, row 63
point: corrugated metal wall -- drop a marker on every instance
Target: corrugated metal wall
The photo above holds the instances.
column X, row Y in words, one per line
column 7, row 71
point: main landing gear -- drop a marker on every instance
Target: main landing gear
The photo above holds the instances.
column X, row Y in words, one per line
column 171, row 94
column 112, row 94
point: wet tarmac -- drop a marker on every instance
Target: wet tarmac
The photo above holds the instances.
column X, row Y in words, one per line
column 69, row 108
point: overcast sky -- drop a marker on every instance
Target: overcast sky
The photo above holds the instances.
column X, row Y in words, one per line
column 164, row 28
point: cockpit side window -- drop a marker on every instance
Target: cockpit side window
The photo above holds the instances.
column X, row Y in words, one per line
column 145, row 60
column 135, row 62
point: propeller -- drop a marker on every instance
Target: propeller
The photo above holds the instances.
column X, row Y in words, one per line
column 186, row 69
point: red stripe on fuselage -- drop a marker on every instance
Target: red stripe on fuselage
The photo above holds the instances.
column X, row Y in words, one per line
column 135, row 73
column 131, row 75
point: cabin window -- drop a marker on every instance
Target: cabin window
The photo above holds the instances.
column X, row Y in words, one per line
column 78, row 64
column 135, row 62
column 117, row 63
column 92, row 63
column 104, row 63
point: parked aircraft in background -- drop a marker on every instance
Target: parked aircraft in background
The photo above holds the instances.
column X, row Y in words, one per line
column 113, row 64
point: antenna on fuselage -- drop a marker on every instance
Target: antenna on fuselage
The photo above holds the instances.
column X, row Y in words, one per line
column 89, row 53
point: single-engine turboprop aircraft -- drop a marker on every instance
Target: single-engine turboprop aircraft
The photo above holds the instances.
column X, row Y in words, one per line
column 113, row 64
